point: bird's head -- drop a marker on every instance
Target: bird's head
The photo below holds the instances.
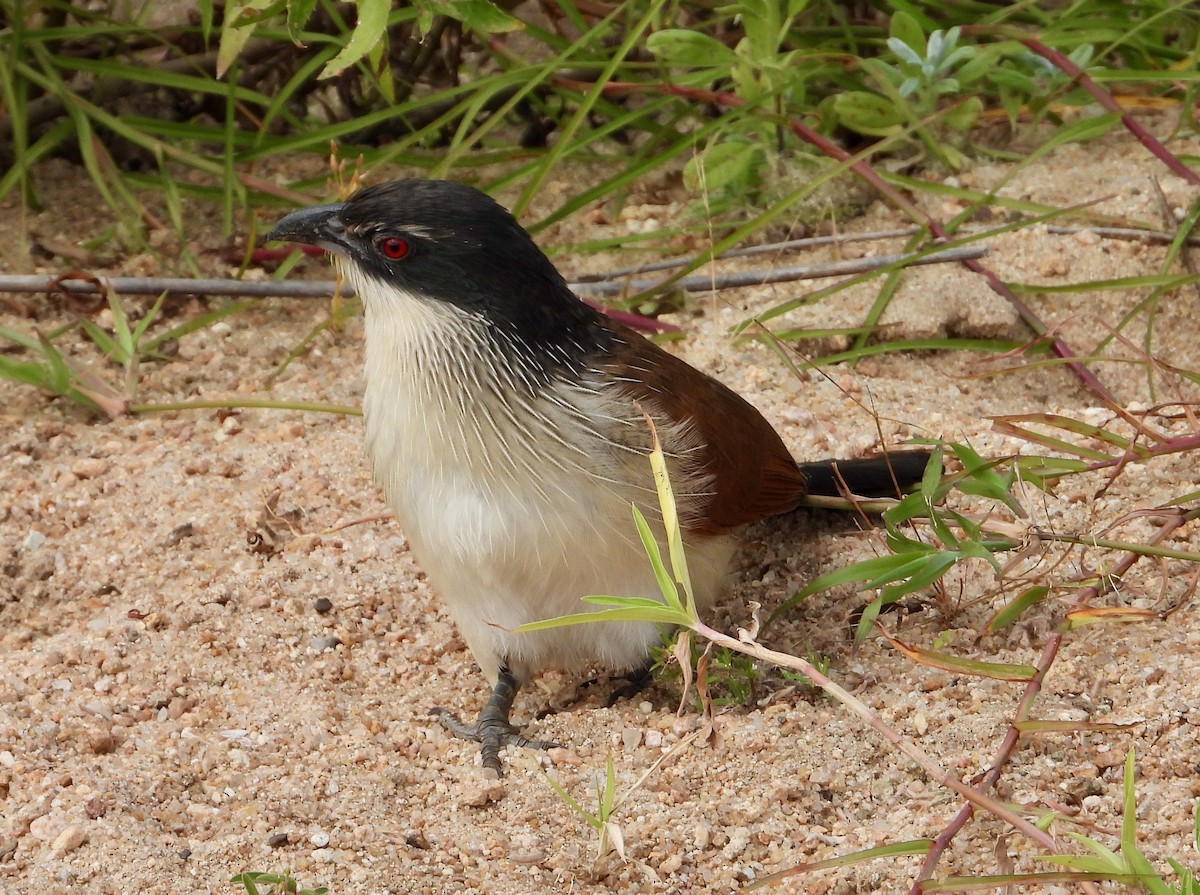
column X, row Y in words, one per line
column 434, row 240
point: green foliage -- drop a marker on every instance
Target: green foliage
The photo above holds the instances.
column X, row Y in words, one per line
column 731, row 677
column 377, row 78
column 608, row 834
column 42, row 364
column 1128, row 865
column 279, row 884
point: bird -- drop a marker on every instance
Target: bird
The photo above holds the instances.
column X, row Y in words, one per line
column 507, row 427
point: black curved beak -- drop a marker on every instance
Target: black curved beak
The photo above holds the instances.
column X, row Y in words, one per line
column 317, row 226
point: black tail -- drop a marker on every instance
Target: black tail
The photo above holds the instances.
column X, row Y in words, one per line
column 868, row 477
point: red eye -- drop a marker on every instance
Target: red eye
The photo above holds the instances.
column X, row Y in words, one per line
column 393, row 247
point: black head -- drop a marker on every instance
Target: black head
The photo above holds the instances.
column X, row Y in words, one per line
column 441, row 241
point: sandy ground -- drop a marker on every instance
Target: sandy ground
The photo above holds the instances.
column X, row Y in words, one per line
column 203, row 673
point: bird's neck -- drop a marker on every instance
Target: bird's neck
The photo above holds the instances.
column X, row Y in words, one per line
column 429, row 341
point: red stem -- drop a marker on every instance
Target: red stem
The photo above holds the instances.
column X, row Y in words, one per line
column 867, row 173
column 1107, row 100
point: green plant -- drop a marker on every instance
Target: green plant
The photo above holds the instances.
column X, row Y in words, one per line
column 50, row 369
column 608, row 834
column 731, row 677
column 1128, row 865
column 280, row 884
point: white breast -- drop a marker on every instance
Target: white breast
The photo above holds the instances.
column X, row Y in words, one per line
column 516, row 508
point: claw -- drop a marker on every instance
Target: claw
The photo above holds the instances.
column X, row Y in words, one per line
column 493, row 731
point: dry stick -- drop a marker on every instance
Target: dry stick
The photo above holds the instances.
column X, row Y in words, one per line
column 1032, row 689
column 939, row 775
column 329, row 288
column 863, row 170
column 767, row 248
column 706, row 282
column 745, row 251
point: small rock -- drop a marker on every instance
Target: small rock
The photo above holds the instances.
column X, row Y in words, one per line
column 320, row 839
column 1111, row 759
column 560, row 755
column 46, row 827
column 631, row 737
column 323, row 605
column 89, row 467
column 277, row 840
column 416, row 839
column 485, row 793
column 68, row 840
column 95, row 808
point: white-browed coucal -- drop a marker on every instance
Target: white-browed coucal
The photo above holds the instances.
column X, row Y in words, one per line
column 505, row 426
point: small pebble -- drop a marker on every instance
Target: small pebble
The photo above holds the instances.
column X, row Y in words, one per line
column 323, row 605
column 68, row 840
column 89, row 467
column 101, row 742
column 320, row 839
column 562, row 756
column 277, row 840
column 484, row 794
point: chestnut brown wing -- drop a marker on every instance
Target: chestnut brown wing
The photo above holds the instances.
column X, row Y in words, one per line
column 753, row 475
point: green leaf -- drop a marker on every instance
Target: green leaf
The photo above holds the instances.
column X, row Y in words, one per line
column 670, row 517
column 60, row 376
column 369, row 30
column 1014, row 610
column 996, row 670
column 658, row 614
column 27, row 372
column 650, row 545
column 106, row 343
column 721, row 166
column 478, row 15
column 905, row 28
column 298, row 14
column 29, row 343
column 675, row 46
column 206, row 319
column 963, row 115
column 238, row 27
column 867, row 113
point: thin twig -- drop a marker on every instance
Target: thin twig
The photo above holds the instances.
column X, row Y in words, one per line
column 706, row 282
column 328, row 288
column 973, row 795
column 178, row 286
column 1032, row 689
column 767, row 248
column 812, row 242
column 1107, row 100
column 859, row 167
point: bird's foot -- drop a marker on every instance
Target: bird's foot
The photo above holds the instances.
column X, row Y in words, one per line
column 493, row 734
column 635, row 682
